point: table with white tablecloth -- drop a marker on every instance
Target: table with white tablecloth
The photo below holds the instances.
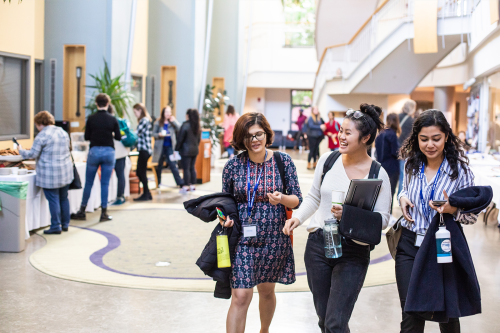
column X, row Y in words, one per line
column 486, row 170
column 37, row 206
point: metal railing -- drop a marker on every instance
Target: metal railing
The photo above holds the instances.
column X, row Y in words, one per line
column 339, row 61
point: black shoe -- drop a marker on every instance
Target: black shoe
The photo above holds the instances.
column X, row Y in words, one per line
column 52, row 232
column 64, row 228
column 80, row 215
column 104, row 216
column 144, row 197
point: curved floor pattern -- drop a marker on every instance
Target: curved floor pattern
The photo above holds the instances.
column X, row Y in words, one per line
column 119, row 254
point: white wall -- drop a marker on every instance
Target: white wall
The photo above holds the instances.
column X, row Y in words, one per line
column 277, row 108
column 353, row 101
column 255, row 100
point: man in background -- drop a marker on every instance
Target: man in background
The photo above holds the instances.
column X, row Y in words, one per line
column 406, row 121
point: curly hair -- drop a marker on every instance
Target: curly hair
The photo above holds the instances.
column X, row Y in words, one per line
column 453, row 148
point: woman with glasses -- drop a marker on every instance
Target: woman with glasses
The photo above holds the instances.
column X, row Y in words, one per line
column 336, row 283
column 264, row 255
column 436, row 166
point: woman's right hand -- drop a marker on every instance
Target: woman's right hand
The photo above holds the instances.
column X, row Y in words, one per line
column 229, row 223
column 290, row 225
column 405, row 205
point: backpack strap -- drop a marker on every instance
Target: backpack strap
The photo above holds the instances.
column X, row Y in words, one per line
column 374, row 170
column 330, row 161
column 281, row 169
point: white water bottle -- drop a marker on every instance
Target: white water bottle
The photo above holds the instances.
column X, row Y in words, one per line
column 443, row 243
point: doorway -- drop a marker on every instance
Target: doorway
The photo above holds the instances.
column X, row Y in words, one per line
column 74, row 86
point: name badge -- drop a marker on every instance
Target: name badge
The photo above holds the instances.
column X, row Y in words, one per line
column 249, row 231
column 419, row 238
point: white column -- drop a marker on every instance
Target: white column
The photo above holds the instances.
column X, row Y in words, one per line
column 444, row 101
column 484, row 125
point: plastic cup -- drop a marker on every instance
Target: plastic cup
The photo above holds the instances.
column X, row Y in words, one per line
column 14, row 170
column 338, row 197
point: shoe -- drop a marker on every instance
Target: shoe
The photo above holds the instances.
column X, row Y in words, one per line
column 314, row 165
column 80, row 215
column 184, row 190
column 309, row 166
column 64, row 228
column 192, row 188
column 144, row 197
column 119, row 201
column 104, row 215
column 52, row 232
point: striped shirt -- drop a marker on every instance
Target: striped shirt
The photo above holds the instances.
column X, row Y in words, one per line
column 411, row 190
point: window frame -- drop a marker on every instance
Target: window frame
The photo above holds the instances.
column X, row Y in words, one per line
column 132, row 75
column 25, row 97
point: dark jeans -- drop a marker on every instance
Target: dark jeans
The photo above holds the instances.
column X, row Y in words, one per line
column 142, row 170
column 335, row 283
column 405, row 256
column 120, row 174
column 299, row 139
column 313, row 148
column 58, row 206
column 165, row 155
column 230, row 150
column 393, row 178
column 188, row 163
column 103, row 157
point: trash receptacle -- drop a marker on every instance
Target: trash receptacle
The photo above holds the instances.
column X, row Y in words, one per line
column 13, row 216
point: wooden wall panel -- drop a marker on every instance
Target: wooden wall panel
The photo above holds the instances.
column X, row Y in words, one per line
column 74, row 56
column 168, row 78
column 425, row 26
column 219, row 84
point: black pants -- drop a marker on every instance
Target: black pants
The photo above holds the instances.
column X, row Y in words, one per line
column 120, row 174
column 393, row 178
column 405, row 256
column 165, row 156
column 335, row 283
column 142, row 168
column 300, row 139
column 188, row 163
column 313, row 148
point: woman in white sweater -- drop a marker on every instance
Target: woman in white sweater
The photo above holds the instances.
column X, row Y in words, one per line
column 336, row 283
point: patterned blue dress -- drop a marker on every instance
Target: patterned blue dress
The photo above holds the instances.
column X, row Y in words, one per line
column 269, row 256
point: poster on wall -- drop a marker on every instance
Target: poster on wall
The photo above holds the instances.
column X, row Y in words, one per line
column 472, row 134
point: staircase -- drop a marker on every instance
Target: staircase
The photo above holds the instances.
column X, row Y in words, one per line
column 379, row 59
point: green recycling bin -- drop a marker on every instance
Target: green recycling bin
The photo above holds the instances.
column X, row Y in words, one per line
column 13, row 216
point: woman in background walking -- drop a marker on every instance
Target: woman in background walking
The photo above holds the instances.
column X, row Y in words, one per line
column 229, row 121
column 332, row 128
column 144, row 149
column 387, row 148
column 188, row 148
column 315, row 127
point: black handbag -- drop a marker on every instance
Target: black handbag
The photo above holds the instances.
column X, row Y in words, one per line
column 76, row 184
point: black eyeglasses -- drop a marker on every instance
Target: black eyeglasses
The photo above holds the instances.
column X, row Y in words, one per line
column 259, row 136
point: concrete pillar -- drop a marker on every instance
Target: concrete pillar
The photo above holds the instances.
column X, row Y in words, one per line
column 444, row 100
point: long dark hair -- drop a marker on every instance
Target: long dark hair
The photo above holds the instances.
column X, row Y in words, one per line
column 393, row 122
column 194, row 120
column 230, row 109
column 370, row 123
column 452, row 147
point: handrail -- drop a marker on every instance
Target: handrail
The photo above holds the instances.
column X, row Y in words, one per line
column 367, row 21
column 324, row 53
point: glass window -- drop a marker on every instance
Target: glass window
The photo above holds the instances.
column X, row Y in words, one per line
column 494, row 112
column 14, row 104
column 136, row 88
column 299, row 22
column 301, row 99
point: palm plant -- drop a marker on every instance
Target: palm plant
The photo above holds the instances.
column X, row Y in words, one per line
column 115, row 88
column 210, row 104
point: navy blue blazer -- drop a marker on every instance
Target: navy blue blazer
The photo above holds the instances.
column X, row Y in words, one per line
column 387, row 148
column 438, row 292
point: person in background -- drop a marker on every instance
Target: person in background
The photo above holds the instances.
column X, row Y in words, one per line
column 266, row 259
column 144, row 149
column 54, row 169
column 406, row 119
column 188, row 147
column 229, row 121
column 463, row 138
column 100, row 130
column 165, row 134
column 387, row 148
column 436, row 167
column 121, row 153
column 300, row 136
column 315, row 127
column 332, row 128
column 336, row 283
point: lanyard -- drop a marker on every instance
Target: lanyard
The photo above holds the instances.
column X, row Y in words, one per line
column 251, row 198
column 425, row 209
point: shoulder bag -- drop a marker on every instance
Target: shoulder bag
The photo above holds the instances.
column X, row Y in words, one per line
column 281, row 169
